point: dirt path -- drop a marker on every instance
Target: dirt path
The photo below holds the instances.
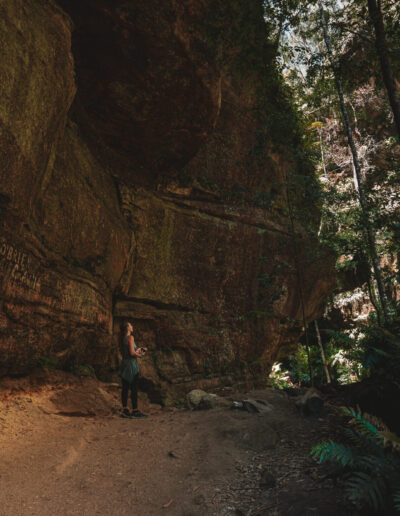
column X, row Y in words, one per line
column 57, row 459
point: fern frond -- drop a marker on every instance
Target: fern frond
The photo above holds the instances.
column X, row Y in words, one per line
column 361, row 444
column 367, row 488
column 396, row 501
column 376, row 422
column 371, row 359
column 375, row 465
column 362, row 424
column 370, row 445
column 371, row 461
column 332, row 452
column 352, row 436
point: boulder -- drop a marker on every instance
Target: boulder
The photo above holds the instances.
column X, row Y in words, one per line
column 256, row 406
column 311, row 403
column 201, row 400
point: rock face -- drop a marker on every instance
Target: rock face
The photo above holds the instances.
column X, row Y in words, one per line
column 130, row 188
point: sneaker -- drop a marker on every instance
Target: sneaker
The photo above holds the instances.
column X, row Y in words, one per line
column 125, row 413
column 137, row 414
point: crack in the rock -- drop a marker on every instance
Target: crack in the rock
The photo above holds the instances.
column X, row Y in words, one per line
column 159, row 304
column 226, row 216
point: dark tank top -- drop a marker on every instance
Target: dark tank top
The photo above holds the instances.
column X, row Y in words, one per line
column 129, row 365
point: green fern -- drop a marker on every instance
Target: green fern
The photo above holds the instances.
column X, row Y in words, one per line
column 396, row 500
column 367, row 488
column 370, row 460
column 332, row 452
column 363, row 423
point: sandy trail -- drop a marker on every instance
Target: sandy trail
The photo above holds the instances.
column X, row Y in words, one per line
column 184, row 463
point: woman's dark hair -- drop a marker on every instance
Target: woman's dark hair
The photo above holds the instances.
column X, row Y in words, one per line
column 124, row 327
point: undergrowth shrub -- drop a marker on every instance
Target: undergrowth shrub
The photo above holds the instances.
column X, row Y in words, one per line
column 369, row 462
column 48, row 363
column 83, row 370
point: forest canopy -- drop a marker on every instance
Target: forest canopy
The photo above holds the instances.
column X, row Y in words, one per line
column 341, row 61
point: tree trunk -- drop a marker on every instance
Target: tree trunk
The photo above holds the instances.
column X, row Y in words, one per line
column 375, row 14
column 361, row 194
column 321, row 347
column 372, row 297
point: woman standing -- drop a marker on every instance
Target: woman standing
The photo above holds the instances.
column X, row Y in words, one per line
column 129, row 372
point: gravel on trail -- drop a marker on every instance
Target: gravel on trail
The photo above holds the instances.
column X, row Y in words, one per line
column 64, row 450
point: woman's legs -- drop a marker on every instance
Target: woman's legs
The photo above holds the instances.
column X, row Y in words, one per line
column 134, row 392
column 133, row 386
column 124, row 393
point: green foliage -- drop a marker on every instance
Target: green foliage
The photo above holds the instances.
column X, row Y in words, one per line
column 343, row 354
column 366, row 352
column 396, row 500
column 332, row 452
column 247, row 36
column 52, row 363
column 340, row 338
column 363, row 423
column 180, row 403
column 83, row 370
column 207, row 183
column 344, row 225
column 49, row 363
column 279, row 379
column 298, row 366
column 380, row 356
column 370, row 462
column 256, row 366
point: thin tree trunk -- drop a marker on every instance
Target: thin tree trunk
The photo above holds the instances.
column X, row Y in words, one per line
column 321, row 347
column 372, row 298
column 375, row 14
column 321, row 145
column 355, row 182
column 361, row 194
column 321, row 223
column 277, row 41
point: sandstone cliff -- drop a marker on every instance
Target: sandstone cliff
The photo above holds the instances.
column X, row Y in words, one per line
column 130, row 187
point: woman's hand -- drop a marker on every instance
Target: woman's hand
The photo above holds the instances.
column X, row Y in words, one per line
column 132, row 351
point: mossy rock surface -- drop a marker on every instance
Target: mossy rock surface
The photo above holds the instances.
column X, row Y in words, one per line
column 136, row 183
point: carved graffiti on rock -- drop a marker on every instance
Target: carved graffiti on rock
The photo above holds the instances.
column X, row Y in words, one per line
column 17, row 266
column 21, row 278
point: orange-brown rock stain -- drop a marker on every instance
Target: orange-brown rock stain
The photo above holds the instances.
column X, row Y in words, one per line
column 128, row 190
